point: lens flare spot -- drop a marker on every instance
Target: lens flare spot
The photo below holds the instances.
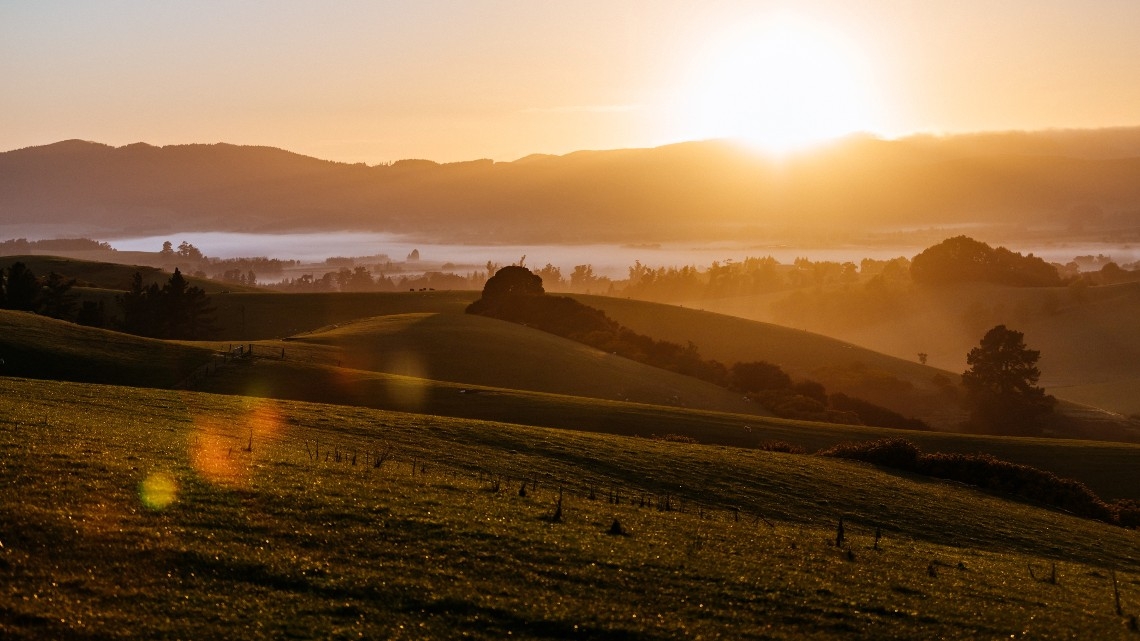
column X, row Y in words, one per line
column 218, row 457
column 408, row 393
column 158, row 490
column 224, row 451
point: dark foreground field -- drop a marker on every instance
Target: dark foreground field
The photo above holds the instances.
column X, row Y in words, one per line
column 149, row 513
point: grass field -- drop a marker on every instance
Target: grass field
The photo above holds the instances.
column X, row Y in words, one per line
column 148, row 513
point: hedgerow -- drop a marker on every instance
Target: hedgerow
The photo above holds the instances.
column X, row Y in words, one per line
column 990, row 473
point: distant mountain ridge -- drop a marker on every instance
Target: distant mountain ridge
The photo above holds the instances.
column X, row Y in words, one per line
column 699, row 190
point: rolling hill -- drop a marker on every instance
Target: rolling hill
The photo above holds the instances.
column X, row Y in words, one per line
column 46, row 348
column 902, row 384
column 481, row 351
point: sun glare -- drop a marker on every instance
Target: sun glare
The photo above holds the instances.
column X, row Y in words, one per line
column 779, row 84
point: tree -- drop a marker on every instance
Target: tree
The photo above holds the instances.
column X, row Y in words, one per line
column 184, row 310
column 56, row 298
column 186, row 250
column 1001, row 384
column 512, row 280
column 23, row 288
column 92, row 314
column 178, row 310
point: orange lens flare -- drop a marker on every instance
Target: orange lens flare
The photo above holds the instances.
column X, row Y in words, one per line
column 224, row 452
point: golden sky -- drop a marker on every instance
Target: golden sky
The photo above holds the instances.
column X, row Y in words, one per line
column 375, row 81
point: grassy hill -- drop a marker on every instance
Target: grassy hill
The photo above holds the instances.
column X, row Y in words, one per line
column 40, row 347
column 901, row 384
column 181, row 514
column 482, row 351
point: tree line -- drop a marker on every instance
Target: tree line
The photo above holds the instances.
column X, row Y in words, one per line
column 176, row 310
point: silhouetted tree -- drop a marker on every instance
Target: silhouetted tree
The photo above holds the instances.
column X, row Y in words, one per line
column 1001, row 384
column 56, row 298
column 92, row 314
column 23, row 288
column 185, row 310
column 186, row 250
column 177, row 310
column 140, row 312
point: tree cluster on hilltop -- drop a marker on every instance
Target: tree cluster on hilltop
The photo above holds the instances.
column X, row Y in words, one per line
column 963, row 259
column 516, row 294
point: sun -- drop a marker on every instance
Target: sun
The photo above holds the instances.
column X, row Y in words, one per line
column 778, row 84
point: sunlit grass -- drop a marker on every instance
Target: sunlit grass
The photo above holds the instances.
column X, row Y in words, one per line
column 298, row 543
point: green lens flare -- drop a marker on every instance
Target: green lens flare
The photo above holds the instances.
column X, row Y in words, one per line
column 158, row 490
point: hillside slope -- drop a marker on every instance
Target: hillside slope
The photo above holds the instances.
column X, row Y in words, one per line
column 480, row 351
column 907, row 387
column 41, row 347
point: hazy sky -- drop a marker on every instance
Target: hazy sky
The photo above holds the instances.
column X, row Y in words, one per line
column 376, row 81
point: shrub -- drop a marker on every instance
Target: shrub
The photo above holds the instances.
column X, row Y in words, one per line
column 780, row 446
column 988, row 472
column 898, row 453
column 675, row 438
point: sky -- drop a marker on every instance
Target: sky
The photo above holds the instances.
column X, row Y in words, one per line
column 378, row 81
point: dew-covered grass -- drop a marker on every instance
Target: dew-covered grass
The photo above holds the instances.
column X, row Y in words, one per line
column 145, row 513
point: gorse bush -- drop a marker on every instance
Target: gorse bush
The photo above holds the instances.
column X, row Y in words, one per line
column 898, row 453
column 780, row 446
column 987, row 472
